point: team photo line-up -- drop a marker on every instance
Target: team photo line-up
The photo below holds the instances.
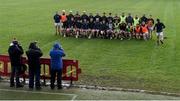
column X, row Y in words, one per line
column 107, row 26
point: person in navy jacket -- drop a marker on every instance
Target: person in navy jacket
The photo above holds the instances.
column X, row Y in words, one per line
column 56, row 55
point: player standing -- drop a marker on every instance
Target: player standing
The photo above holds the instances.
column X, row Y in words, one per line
column 57, row 23
column 159, row 26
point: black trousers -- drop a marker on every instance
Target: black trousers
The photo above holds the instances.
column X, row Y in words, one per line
column 15, row 72
column 34, row 72
column 57, row 73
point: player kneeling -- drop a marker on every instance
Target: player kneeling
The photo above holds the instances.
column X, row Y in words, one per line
column 77, row 30
column 70, row 27
column 91, row 26
column 117, row 30
column 110, row 32
column 96, row 30
column 84, row 28
column 137, row 31
column 103, row 29
column 145, row 31
column 129, row 31
column 122, row 27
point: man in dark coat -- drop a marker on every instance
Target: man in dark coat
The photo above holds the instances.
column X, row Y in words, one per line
column 15, row 51
column 34, row 53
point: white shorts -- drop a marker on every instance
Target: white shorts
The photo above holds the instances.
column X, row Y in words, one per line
column 151, row 28
column 57, row 24
column 161, row 35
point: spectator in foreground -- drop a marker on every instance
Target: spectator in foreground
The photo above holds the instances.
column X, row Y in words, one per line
column 34, row 53
column 15, row 51
column 56, row 55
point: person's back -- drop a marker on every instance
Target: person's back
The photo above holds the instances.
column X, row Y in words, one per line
column 15, row 51
column 56, row 55
column 34, row 54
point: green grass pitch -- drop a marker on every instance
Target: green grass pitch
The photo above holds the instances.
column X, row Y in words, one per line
column 115, row 63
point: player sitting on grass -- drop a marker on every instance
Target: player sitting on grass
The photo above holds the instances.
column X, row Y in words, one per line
column 159, row 26
column 117, row 29
column 91, row 26
column 110, row 33
column 103, row 29
column 145, row 31
column 78, row 25
column 122, row 27
column 96, row 29
column 84, row 28
column 137, row 31
column 70, row 27
column 129, row 31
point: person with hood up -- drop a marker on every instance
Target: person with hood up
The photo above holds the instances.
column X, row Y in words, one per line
column 56, row 55
column 34, row 53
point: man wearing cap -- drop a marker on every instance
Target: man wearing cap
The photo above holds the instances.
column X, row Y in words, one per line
column 34, row 53
column 15, row 52
column 56, row 55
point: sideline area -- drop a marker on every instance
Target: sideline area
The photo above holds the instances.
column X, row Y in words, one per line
column 7, row 93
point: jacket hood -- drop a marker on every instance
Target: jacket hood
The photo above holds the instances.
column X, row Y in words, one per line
column 57, row 46
column 32, row 45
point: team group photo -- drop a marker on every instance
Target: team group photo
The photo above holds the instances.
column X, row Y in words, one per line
column 89, row 50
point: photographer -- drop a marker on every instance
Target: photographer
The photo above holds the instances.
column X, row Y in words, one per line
column 15, row 51
column 56, row 65
column 34, row 53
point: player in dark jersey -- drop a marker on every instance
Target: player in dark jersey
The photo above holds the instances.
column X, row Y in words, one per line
column 84, row 28
column 70, row 27
column 91, row 27
column 57, row 23
column 129, row 19
column 70, row 16
column 84, row 16
column 77, row 16
column 103, row 29
column 143, row 19
column 78, row 25
column 159, row 27
column 110, row 18
column 96, row 28
column 97, row 17
column 110, row 33
column 91, row 16
column 104, row 17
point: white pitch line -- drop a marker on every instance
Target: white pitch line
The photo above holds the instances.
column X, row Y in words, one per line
column 35, row 92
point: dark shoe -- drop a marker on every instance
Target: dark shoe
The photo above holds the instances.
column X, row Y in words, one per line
column 31, row 88
column 19, row 85
column 11, row 85
column 162, row 42
column 60, row 87
column 52, row 87
column 38, row 88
